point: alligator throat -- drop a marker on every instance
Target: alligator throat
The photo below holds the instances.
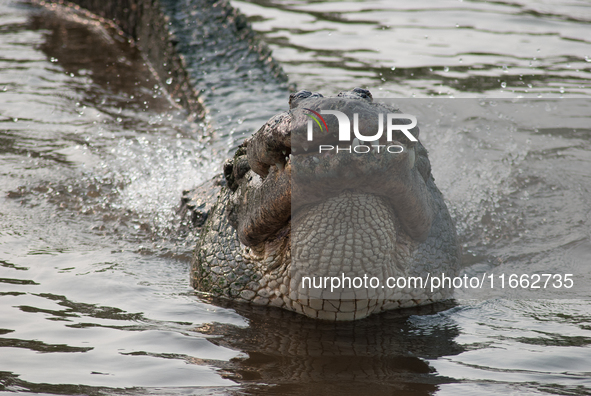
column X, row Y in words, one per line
column 352, row 233
column 333, row 236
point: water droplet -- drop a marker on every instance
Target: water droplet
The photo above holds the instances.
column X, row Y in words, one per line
column 393, row 68
column 460, row 60
column 169, row 81
column 588, row 59
column 53, row 60
column 457, row 25
column 119, row 119
column 446, row 69
column 503, row 84
column 561, row 89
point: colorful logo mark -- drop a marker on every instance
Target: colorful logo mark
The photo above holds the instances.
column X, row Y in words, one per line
column 317, row 118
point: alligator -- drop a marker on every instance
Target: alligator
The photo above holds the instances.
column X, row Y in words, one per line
column 281, row 211
column 393, row 224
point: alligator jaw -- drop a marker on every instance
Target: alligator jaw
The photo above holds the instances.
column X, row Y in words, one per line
column 282, row 156
column 289, row 213
column 263, row 207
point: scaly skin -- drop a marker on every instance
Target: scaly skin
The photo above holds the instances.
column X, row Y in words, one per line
column 379, row 215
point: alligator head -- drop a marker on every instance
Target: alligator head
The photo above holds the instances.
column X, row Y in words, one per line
column 299, row 222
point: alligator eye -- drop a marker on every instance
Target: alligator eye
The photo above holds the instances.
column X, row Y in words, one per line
column 228, row 171
column 240, row 167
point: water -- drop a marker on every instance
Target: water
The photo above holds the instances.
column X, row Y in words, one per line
column 94, row 285
column 460, row 48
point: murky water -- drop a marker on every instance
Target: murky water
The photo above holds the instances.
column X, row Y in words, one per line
column 94, row 291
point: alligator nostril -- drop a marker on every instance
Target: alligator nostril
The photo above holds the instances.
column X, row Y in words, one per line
column 295, row 98
column 364, row 93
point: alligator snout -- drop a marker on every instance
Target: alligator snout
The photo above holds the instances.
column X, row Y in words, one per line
column 332, row 186
column 308, row 166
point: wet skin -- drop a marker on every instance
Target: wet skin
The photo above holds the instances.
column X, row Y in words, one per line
column 283, row 210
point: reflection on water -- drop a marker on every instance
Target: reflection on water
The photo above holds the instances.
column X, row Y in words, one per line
column 294, row 354
column 94, row 287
